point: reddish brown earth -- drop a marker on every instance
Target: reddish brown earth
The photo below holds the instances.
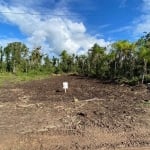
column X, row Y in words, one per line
column 92, row 115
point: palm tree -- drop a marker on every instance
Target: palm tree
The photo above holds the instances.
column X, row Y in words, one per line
column 124, row 58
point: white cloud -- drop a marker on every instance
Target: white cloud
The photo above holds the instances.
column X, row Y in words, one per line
column 146, row 6
column 4, row 41
column 121, row 29
column 142, row 24
column 54, row 33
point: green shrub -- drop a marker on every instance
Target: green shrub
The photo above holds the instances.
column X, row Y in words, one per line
column 147, row 78
column 133, row 81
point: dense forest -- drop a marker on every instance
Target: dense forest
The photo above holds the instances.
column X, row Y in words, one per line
column 124, row 62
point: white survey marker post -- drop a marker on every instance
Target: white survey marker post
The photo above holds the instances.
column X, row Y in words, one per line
column 65, row 86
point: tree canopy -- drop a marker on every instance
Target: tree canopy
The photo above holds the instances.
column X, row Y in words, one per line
column 124, row 62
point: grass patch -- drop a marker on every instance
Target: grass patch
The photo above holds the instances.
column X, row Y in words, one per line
column 147, row 103
column 9, row 78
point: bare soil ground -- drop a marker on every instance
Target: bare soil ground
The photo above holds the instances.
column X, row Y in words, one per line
column 92, row 115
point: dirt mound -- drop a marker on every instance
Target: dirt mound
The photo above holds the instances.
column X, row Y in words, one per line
column 91, row 115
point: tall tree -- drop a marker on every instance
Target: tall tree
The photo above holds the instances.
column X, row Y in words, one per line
column 66, row 61
column 15, row 52
column 82, row 64
column 124, row 58
column 36, row 58
column 97, row 57
column 143, row 45
column 1, row 58
column 48, row 65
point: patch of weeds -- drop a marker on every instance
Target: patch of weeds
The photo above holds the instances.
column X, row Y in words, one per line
column 146, row 103
column 9, row 78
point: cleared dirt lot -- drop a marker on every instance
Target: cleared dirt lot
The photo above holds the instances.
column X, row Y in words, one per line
column 92, row 115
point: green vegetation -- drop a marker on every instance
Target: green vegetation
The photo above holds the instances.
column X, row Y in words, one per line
column 9, row 78
column 125, row 62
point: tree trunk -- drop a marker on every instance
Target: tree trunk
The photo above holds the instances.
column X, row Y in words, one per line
column 14, row 67
column 145, row 71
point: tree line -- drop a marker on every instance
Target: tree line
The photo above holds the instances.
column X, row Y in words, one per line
column 125, row 62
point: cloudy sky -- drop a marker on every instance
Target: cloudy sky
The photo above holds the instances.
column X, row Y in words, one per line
column 74, row 25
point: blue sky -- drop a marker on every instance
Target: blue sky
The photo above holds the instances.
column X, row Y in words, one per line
column 74, row 25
